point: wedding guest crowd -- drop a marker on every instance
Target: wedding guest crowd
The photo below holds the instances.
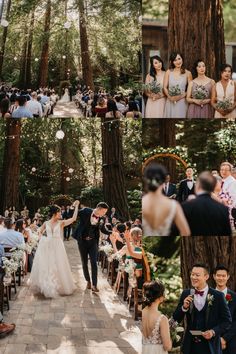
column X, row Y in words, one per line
column 181, row 93
column 205, row 206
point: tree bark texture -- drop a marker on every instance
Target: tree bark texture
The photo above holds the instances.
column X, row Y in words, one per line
column 43, row 70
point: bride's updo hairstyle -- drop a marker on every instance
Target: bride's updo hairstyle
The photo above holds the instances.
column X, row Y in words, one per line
column 53, row 209
column 153, row 290
column 154, row 176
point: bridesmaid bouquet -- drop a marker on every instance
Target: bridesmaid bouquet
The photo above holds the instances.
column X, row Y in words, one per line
column 174, row 91
column 154, row 87
column 224, row 105
column 200, row 93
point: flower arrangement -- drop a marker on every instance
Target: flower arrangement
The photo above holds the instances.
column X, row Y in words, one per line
column 174, row 90
column 175, row 331
column 200, row 93
column 107, row 249
column 10, row 265
column 32, row 244
column 154, row 87
column 224, row 105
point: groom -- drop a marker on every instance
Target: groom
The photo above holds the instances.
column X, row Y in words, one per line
column 87, row 235
column 205, row 311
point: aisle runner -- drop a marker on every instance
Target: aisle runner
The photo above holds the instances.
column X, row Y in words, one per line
column 79, row 324
column 66, row 110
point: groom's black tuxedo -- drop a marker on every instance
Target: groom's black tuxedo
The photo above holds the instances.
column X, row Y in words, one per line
column 230, row 335
column 184, row 191
column 207, row 217
column 215, row 316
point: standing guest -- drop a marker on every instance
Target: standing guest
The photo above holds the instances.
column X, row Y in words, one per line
column 186, row 186
column 205, row 311
column 175, row 84
column 169, row 188
column 34, row 106
column 228, row 339
column 67, row 214
column 228, row 189
column 101, row 107
column 4, row 108
column 2, row 226
column 15, row 214
column 121, row 106
column 224, row 94
column 10, row 237
column 6, row 213
column 156, row 101
column 25, row 212
column 199, row 93
column 21, row 111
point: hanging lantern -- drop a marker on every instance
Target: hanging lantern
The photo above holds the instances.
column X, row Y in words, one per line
column 71, row 170
column 4, row 23
column 33, row 169
column 67, row 179
column 60, row 134
column 63, row 56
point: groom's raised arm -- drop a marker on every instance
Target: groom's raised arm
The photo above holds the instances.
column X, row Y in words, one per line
column 179, row 313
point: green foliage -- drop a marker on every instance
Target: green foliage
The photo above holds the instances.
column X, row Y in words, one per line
column 134, row 201
column 91, row 196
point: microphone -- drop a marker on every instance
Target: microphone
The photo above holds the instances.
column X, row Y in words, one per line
column 192, row 292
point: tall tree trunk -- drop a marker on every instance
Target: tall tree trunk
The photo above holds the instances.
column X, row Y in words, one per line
column 193, row 28
column 113, row 167
column 29, row 52
column 168, row 139
column 4, row 37
column 11, row 165
column 211, row 251
column 86, row 62
column 64, row 170
column 22, row 76
column 43, row 70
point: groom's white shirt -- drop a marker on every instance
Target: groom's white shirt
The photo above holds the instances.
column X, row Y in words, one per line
column 230, row 187
column 199, row 301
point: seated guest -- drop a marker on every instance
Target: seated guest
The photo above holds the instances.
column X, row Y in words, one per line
column 10, row 237
column 34, row 106
column 133, row 110
column 21, row 111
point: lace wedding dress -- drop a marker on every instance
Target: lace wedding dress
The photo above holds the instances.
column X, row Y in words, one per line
column 165, row 228
column 51, row 274
column 65, row 98
column 153, row 344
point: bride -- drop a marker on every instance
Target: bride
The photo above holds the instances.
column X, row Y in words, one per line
column 159, row 212
column 156, row 330
column 51, row 274
column 66, row 97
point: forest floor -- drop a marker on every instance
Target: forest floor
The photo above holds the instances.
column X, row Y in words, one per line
column 83, row 323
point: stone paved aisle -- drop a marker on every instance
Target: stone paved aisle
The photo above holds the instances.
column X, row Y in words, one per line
column 66, row 110
column 82, row 323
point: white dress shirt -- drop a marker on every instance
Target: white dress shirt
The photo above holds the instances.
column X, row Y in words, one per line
column 199, row 301
column 190, row 184
column 223, row 291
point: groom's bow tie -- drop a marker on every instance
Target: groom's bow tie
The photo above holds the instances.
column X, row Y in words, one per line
column 189, row 180
column 197, row 292
column 95, row 216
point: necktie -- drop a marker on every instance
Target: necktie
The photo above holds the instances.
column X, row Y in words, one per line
column 199, row 292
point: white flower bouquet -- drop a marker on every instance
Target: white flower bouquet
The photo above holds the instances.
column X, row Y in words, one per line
column 154, row 87
column 174, row 90
column 107, row 249
column 200, row 93
column 224, row 105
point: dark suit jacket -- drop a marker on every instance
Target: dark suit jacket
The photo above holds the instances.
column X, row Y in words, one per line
column 171, row 190
column 218, row 318
column 184, row 191
column 230, row 335
column 207, row 217
column 84, row 227
column 67, row 214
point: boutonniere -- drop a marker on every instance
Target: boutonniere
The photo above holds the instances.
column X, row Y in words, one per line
column 210, row 299
column 228, row 298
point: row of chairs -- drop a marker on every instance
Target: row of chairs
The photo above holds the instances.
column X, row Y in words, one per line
column 119, row 280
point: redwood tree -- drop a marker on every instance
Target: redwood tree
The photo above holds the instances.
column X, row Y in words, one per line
column 4, row 36
column 43, row 70
column 196, row 29
column 84, row 44
column 11, row 165
column 113, row 167
column 211, row 251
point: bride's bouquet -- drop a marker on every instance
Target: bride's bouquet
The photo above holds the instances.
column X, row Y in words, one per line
column 224, row 105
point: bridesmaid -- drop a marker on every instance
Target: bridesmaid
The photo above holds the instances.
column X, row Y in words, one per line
column 200, row 108
column 224, row 89
column 156, row 102
column 176, row 106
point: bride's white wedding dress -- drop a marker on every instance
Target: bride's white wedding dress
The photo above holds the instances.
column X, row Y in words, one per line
column 165, row 228
column 153, row 344
column 51, row 274
column 65, row 98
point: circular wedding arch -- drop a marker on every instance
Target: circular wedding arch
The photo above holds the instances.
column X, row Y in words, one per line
column 162, row 154
column 61, row 199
